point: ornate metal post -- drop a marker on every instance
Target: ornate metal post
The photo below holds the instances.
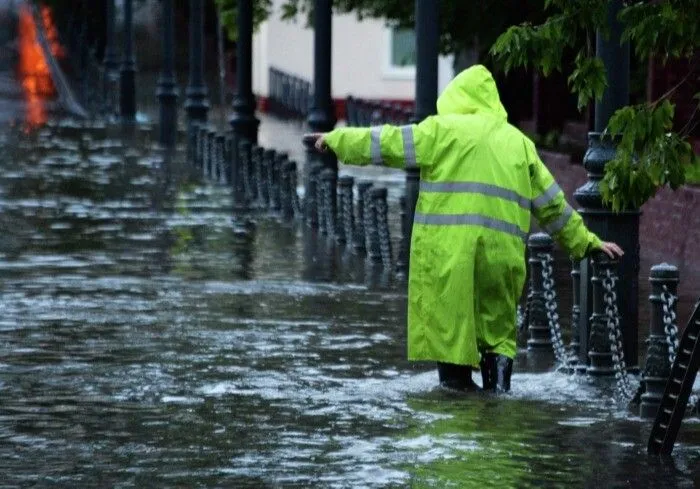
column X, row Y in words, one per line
column 540, row 338
column 127, row 79
column 166, row 84
column 622, row 227
column 110, row 62
column 197, row 103
column 322, row 114
column 243, row 121
column 427, row 51
column 657, row 367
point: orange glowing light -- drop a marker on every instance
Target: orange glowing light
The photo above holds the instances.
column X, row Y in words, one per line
column 34, row 72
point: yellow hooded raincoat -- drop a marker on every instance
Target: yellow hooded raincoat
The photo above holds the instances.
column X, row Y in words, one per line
column 481, row 179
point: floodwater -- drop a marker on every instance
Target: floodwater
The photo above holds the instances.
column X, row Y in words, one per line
column 150, row 339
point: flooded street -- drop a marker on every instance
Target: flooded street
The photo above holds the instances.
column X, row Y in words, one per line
column 151, row 339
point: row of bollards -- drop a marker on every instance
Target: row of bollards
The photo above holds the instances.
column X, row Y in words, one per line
column 354, row 216
column 363, row 113
column 290, row 96
column 603, row 339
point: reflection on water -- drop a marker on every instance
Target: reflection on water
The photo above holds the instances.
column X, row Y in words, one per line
column 152, row 339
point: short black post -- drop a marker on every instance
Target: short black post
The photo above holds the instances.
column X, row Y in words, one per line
column 244, row 122
column 369, row 215
column 575, row 344
column 540, row 337
column 268, row 164
column 166, row 84
column 127, row 79
column 344, row 232
column 197, row 103
column 657, row 368
column 329, row 182
column 293, row 183
column 259, row 176
column 110, row 62
column 277, row 164
column 239, row 173
column 312, row 204
column 219, row 174
column 363, row 188
column 381, row 212
column 599, row 353
column 211, row 154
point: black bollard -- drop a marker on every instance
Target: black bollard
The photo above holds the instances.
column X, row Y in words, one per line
column 346, row 221
column 286, row 190
column 127, row 95
column 211, row 153
column 258, row 175
column 362, row 192
column 381, row 210
column 599, row 352
column 166, row 84
column 277, row 163
column 369, row 217
column 232, row 159
column 219, row 174
column 193, row 144
column 311, row 200
column 540, row 338
column 293, row 183
column 240, row 173
column 657, row 367
column 268, row 164
column 402, row 261
column 328, row 184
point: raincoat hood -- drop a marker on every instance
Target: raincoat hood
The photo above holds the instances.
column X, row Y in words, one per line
column 472, row 91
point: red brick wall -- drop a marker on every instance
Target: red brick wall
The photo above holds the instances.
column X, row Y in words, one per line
column 670, row 222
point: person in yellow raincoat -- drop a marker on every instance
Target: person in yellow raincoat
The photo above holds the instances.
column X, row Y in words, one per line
column 480, row 181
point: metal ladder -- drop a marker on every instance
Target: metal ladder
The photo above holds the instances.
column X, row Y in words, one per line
column 678, row 387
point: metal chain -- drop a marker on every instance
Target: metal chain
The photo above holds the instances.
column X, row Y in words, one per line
column 624, row 389
column 667, row 302
column 550, row 296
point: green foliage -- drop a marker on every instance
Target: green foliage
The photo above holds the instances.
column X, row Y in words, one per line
column 229, row 14
column 650, row 155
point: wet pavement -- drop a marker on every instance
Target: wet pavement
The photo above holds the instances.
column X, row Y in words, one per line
column 149, row 339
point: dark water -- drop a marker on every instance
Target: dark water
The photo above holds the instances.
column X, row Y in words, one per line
column 150, row 340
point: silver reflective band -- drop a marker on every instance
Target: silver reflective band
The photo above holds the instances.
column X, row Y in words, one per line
column 476, row 188
column 470, row 219
column 409, row 148
column 547, row 196
column 559, row 223
column 375, row 147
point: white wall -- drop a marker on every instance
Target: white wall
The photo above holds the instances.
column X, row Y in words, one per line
column 360, row 57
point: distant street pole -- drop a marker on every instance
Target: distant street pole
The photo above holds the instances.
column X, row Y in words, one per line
column 196, row 103
column 243, row 121
column 128, row 69
column 166, row 85
column 427, row 52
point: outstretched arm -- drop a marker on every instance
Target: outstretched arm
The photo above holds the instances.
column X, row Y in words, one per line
column 554, row 214
column 408, row 146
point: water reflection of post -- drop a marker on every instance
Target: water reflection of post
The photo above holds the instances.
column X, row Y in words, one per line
column 166, row 84
column 128, row 69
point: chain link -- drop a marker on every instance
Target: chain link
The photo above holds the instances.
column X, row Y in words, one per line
column 623, row 386
column 550, row 296
column 667, row 301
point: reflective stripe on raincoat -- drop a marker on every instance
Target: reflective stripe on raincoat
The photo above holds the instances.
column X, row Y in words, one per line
column 481, row 179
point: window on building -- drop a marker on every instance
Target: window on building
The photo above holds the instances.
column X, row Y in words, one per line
column 400, row 54
column 403, row 48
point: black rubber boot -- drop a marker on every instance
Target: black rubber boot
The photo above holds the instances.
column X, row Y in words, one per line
column 457, row 377
column 495, row 372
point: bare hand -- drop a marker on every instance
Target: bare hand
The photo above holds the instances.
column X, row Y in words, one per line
column 318, row 140
column 611, row 249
